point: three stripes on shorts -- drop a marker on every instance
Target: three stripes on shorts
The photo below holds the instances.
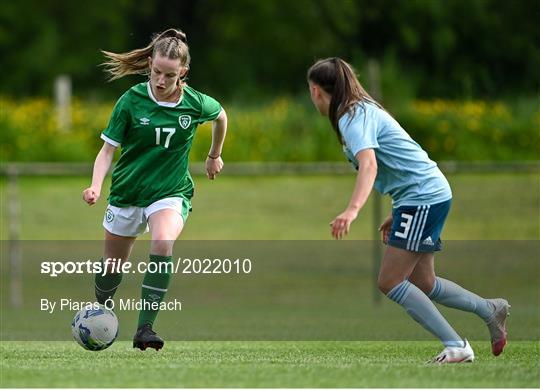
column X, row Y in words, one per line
column 417, row 228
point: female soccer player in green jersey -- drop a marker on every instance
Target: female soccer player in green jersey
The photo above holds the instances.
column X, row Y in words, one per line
column 388, row 159
column 154, row 123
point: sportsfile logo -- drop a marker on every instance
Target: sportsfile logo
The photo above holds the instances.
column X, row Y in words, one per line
column 180, row 266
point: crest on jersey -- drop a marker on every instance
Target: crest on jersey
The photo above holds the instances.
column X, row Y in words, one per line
column 185, row 121
column 145, row 121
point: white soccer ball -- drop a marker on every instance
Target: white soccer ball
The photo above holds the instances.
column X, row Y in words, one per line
column 95, row 327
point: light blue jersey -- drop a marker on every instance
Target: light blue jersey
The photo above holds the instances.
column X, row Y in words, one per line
column 405, row 171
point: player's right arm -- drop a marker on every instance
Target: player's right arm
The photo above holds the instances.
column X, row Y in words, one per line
column 101, row 167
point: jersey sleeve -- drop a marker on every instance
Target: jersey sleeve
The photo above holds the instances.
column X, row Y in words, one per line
column 210, row 108
column 115, row 132
column 359, row 131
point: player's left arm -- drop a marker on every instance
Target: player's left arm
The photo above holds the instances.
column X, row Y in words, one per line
column 214, row 162
column 367, row 171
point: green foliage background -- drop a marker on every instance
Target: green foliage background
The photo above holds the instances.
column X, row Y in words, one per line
column 461, row 76
column 285, row 129
column 248, row 49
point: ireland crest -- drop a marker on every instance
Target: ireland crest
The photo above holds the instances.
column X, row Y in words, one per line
column 185, row 121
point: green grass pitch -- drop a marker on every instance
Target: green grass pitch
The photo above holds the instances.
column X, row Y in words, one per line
column 264, row 364
column 485, row 207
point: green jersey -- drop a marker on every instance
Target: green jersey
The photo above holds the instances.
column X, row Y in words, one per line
column 155, row 139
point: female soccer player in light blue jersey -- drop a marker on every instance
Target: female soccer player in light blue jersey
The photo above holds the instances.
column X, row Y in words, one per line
column 388, row 159
column 154, row 123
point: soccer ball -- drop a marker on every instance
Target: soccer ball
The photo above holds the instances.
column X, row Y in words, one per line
column 95, row 327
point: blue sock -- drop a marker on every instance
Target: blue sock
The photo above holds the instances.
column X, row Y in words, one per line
column 423, row 311
column 449, row 294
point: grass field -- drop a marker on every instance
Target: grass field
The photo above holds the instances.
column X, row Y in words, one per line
column 485, row 207
column 264, row 364
column 300, row 295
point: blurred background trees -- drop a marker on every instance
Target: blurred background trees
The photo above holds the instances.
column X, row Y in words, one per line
column 462, row 76
column 245, row 49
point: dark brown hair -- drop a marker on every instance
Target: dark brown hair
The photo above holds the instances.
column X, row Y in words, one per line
column 171, row 43
column 337, row 78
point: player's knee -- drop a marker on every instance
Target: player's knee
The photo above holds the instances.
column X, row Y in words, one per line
column 162, row 246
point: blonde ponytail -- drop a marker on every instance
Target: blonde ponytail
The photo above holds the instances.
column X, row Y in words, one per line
column 170, row 43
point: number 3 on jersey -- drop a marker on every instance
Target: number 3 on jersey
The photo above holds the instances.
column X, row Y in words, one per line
column 168, row 130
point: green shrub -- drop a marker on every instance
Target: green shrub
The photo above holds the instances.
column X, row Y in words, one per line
column 474, row 130
column 285, row 129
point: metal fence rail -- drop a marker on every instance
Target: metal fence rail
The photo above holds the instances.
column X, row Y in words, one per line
column 270, row 168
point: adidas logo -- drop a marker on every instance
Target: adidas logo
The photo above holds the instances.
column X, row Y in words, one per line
column 427, row 241
column 145, row 121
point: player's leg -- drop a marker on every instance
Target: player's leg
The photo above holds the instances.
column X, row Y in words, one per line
column 166, row 221
column 165, row 226
column 117, row 250
column 396, row 267
column 448, row 293
column 416, row 230
column 121, row 228
column 423, row 277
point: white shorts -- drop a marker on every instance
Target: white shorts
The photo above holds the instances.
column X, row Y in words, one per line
column 132, row 221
